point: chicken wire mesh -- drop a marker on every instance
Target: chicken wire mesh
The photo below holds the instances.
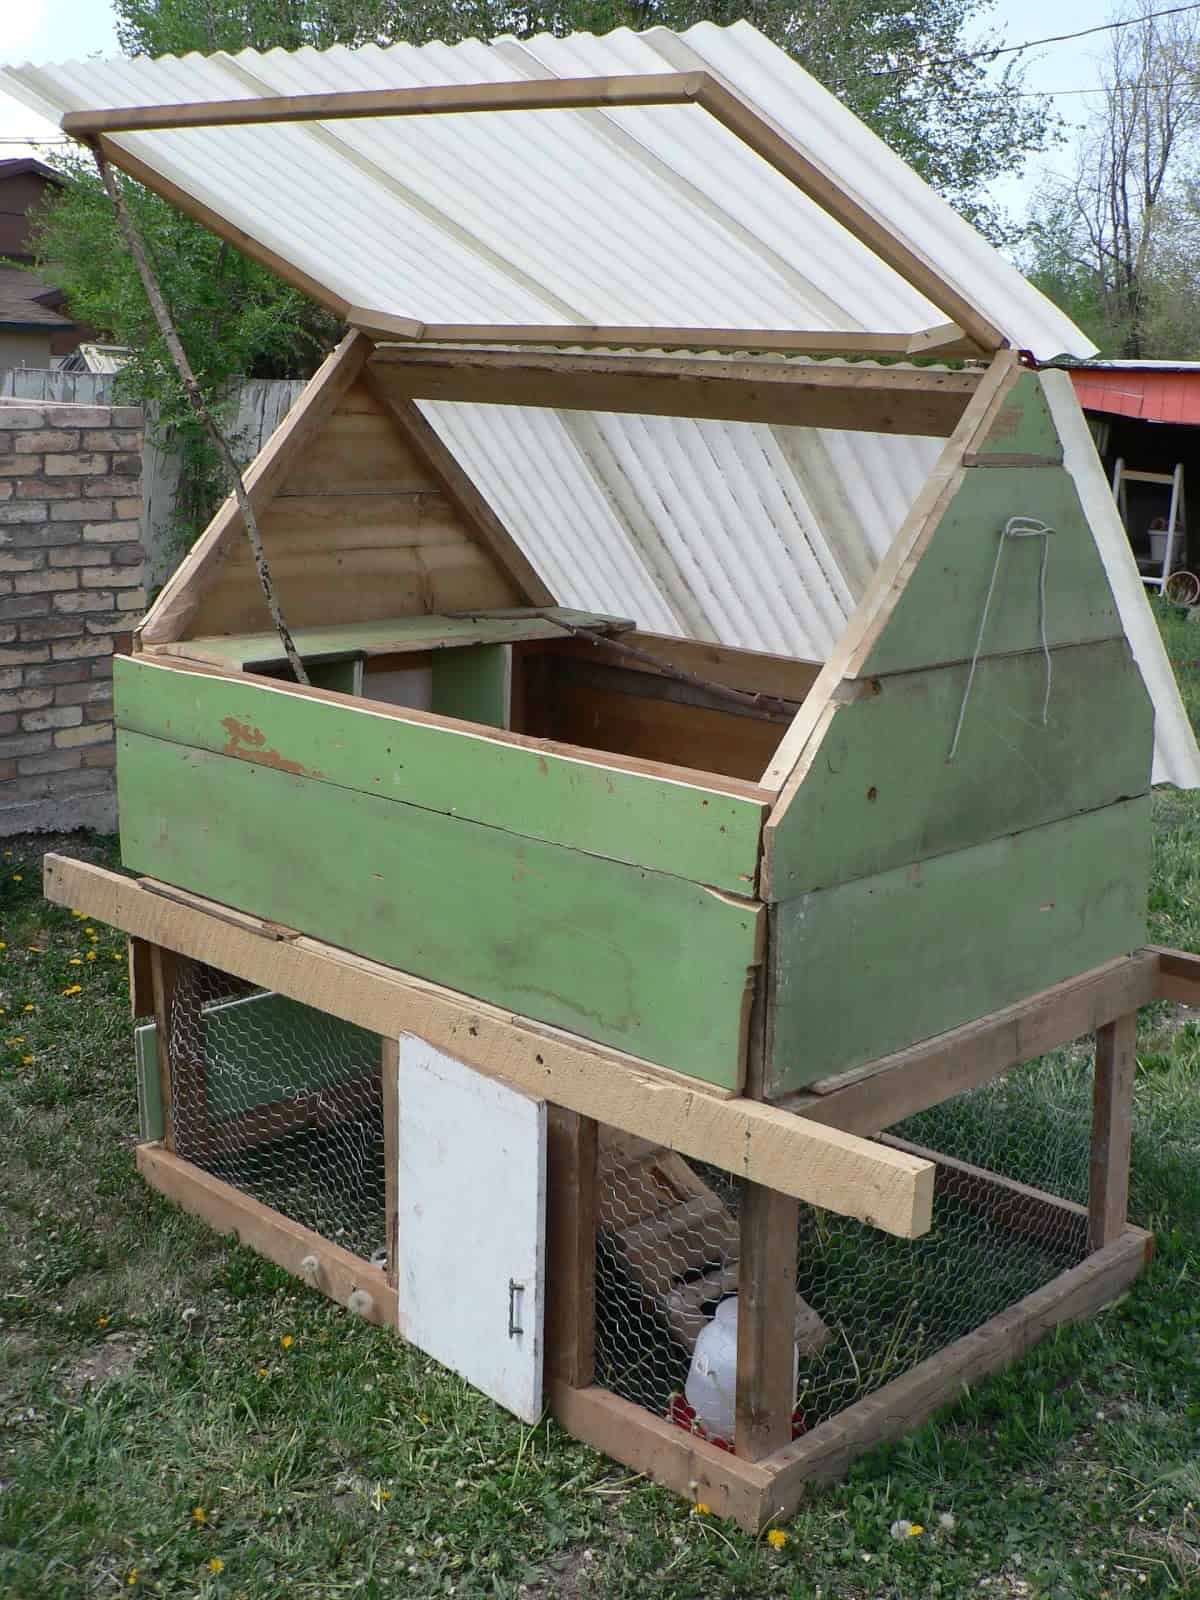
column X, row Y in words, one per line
column 870, row 1307
column 283, row 1102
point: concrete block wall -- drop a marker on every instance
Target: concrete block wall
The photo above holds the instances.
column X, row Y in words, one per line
column 72, row 588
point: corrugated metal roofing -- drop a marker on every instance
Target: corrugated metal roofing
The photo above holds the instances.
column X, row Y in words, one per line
column 1152, row 394
column 637, row 216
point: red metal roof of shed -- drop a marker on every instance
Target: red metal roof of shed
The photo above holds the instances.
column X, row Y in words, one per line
column 1153, row 392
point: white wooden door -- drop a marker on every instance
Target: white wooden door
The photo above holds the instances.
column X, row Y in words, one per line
column 471, row 1235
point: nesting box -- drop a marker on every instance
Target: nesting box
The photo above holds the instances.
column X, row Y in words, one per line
column 708, row 761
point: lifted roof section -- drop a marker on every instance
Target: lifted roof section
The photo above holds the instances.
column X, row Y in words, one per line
column 582, row 188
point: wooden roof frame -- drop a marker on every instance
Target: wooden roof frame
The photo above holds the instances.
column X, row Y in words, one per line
column 968, row 330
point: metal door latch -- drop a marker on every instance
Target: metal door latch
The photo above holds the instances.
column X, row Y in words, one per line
column 514, row 1289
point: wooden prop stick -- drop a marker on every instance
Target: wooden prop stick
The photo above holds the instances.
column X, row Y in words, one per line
column 199, row 405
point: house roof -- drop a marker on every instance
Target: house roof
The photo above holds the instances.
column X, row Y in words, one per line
column 1152, row 391
column 21, row 296
column 21, row 166
column 629, row 215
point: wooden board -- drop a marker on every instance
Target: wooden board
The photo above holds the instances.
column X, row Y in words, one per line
column 474, row 684
column 352, row 463
column 936, row 614
column 878, row 791
column 151, row 1125
column 650, row 963
column 471, row 1224
column 1021, row 427
column 943, row 941
column 821, row 1166
column 669, row 827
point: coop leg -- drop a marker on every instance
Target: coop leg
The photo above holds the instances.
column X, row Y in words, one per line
column 164, row 976
column 768, row 1224
column 570, row 1247
column 389, row 1066
column 1112, row 1104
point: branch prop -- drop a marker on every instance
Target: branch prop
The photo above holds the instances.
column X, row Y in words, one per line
column 761, row 704
column 199, row 405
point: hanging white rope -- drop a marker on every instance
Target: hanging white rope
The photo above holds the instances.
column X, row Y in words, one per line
column 1014, row 528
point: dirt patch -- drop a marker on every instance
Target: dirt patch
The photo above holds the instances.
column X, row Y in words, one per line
column 108, row 1363
column 570, row 1575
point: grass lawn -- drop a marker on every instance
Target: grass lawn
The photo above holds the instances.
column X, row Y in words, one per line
column 178, row 1417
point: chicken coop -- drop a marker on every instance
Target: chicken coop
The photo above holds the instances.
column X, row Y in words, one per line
column 722, row 785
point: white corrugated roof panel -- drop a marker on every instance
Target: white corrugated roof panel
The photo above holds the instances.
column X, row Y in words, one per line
column 636, row 216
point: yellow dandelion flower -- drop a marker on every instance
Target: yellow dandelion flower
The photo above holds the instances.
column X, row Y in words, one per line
column 118, row 955
column 776, row 1538
column 89, row 930
column 102, row 1322
column 701, row 1510
column 17, row 878
column 79, row 915
column 91, row 956
column 131, row 1577
column 199, row 1514
column 421, row 1417
column 36, row 948
column 262, row 1372
column 75, row 988
column 215, row 1564
column 3, row 946
column 30, row 1007
column 74, row 962
column 916, row 1528
column 287, row 1341
column 26, row 1061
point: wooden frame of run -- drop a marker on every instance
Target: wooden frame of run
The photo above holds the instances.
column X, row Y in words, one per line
column 967, row 331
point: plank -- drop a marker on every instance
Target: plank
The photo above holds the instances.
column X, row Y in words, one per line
column 171, row 614
column 887, row 1090
column 475, row 510
column 389, row 1067
column 1112, row 1112
column 474, row 684
column 571, row 1147
column 871, row 399
column 141, row 979
column 1022, row 426
column 391, row 635
column 753, row 671
column 649, row 962
column 945, row 941
column 665, row 1453
column 151, row 1122
column 879, row 792
column 941, row 1380
column 164, row 972
column 766, row 1319
column 343, row 1277
column 946, row 340
column 471, row 1153
column 529, row 790
column 761, row 1143
column 1178, row 975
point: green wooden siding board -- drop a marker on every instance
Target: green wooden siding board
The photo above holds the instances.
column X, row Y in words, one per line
column 1023, row 425
column 149, row 1087
column 872, row 966
column 936, row 617
column 345, row 677
column 880, row 792
column 472, row 684
column 649, row 963
column 402, row 633
column 264, row 1048
column 694, row 833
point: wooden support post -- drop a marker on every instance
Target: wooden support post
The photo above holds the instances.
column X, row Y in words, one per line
column 389, row 1066
column 1112, row 1106
column 164, row 974
column 571, row 1143
column 768, row 1223
column 141, row 979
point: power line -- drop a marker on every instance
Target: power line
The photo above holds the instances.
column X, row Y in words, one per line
column 1062, row 38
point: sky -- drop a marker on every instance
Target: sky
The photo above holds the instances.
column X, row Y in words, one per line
column 55, row 30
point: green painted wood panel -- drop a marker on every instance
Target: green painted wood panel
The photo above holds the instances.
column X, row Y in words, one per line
column 649, row 963
column 1023, row 425
column 149, row 1086
column 936, row 618
column 880, row 793
column 669, row 827
column 473, row 683
column 875, row 965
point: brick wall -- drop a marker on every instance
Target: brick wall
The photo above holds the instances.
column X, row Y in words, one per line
column 72, row 574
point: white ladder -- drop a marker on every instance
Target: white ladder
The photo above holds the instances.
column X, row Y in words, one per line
column 1176, row 517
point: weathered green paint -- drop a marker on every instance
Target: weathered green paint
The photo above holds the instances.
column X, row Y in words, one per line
column 875, row 965
column 1023, row 425
column 149, row 1087
column 879, row 790
column 472, row 684
column 936, row 618
column 343, row 676
column 691, row 832
column 649, row 963
column 264, row 1048
column 250, row 650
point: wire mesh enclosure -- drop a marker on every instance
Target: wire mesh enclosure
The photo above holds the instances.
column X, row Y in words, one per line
column 1009, row 1217
column 283, row 1102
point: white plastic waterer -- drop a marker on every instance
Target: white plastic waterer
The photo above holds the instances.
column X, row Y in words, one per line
column 711, row 1386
